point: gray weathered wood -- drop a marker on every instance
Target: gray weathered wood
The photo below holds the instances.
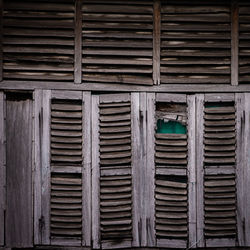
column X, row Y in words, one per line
column 191, row 114
column 220, row 242
column 1, row 40
column 240, row 166
column 150, row 175
column 135, row 105
column 247, row 167
column 19, row 227
column 219, row 97
column 199, row 171
column 78, row 42
column 2, row 167
column 86, row 179
column 88, row 86
column 37, row 175
column 157, row 42
column 45, row 219
column 234, row 42
column 57, row 94
column 95, row 173
column 141, row 130
column 163, row 97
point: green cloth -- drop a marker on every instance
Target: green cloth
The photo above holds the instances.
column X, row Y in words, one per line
column 170, row 127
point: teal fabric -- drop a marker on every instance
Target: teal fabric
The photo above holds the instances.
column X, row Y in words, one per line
column 170, row 127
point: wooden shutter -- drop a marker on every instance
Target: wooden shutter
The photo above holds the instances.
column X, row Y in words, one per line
column 195, row 42
column 219, row 180
column 173, row 173
column 117, row 41
column 38, row 40
column 2, row 167
column 244, row 41
column 65, row 203
column 114, row 203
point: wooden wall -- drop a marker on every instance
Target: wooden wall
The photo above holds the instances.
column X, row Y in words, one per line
column 141, row 43
column 82, row 86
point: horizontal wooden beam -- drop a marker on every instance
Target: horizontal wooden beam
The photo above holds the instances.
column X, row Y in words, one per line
column 177, row 88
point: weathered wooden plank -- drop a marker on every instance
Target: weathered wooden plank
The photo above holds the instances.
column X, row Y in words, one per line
column 86, row 220
column 2, row 166
column 45, row 154
column 136, row 165
column 234, row 42
column 150, row 175
column 76, row 95
column 240, row 167
column 37, row 166
column 1, row 40
column 156, row 42
column 99, row 86
column 199, row 171
column 191, row 114
column 19, row 212
column 95, row 173
column 219, row 97
column 163, row 97
column 247, row 167
column 78, row 42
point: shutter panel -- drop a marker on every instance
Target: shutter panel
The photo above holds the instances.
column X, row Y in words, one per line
column 66, row 187
column 220, row 227
column 117, row 41
column 195, row 42
column 115, row 202
column 171, row 171
column 65, row 203
column 38, row 41
column 244, row 41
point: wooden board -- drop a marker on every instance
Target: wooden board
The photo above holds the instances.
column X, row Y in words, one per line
column 19, row 228
column 2, row 166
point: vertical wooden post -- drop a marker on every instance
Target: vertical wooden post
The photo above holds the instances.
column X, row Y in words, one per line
column 142, row 147
column 247, row 167
column 240, row 166
column 95, row 173
column 191, row 170
column 86, row 170
column 1, row 40
column 200, row 170
column 135, row 104
column 78, row 42
column 157, row 42
column 2, row 168
column 234, row 42
column 45, row 219
column 37, row 166
column 150, row 180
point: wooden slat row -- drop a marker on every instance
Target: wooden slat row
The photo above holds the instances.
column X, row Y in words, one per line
column 38, row 40
column 66, row 133
column 171, row 207
column 244, row 42
column 220, row 206
column 116, row 207
column 117, row 42
column 219, row 135
column 195, row 42
column 115, row 134
column 66, row 205
column 171, row 150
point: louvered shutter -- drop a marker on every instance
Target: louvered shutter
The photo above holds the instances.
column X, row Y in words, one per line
column 174, row 172
column 195, row 42
column 244, row 41
column 219, row 174
column 117, row 41
column 38, row 40
column 114, row 203
column 65, row 170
